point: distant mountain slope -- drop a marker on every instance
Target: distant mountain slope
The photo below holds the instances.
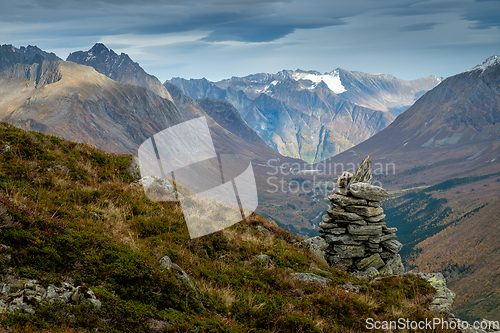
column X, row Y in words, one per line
column 384, row 92
column 291, row 117
column 76, row 102
column 118, row 67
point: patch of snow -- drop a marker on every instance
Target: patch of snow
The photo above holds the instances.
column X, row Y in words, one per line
column 332, row 80
column 491, row 61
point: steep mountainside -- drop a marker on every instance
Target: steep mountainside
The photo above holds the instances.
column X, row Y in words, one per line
column 76, row 102
column 118, row 67
column 290, row 116
column 384, row 92
column 442, row 158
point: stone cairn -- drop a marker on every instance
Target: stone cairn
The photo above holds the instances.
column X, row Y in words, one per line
column 354, row 228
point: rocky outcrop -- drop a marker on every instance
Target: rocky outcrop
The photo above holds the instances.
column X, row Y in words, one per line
column 444, row 297
column 156, row 188
column 10, row 55
column 24, row 294
column 316, row 245
column 168, row 264
column 356, row 236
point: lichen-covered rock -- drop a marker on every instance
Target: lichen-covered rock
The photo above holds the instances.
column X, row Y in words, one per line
column 363, row 172
column 269, row 263
column 344, row 201
column 344, row 179
column 444, row 297
column 134, row 168
column 317, row 246
column 366, row 211
column 335, row 231
column 264, row 231
column 340, row 240
column 367, row 230
column 327, row 225
column 343, row 215
column 349, row 251
column 368, row 192
column 157, row 189
column 311, row 278
column 393, row 266
column 5, row 149
column 392, row 245
column 23, row 294
column 167, row 263
column 374, row 261
column 374, row 219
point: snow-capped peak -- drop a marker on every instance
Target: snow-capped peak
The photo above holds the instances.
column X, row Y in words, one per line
column 332, row 80
column 491, row 61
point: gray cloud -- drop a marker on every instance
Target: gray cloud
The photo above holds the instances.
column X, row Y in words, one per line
column 220, row 38
column 419, row 26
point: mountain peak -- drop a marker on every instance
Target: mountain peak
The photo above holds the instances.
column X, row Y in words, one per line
column 99, row 47
column 494, row 60
column 118, row 67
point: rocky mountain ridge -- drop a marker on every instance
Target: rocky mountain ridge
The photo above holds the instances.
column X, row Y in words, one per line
column 118, row 67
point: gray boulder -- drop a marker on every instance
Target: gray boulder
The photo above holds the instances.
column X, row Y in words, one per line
column 344, row 201
column 374, row 261
column 311, row 278
column 317, row 246
column 392, row 245
column 157, row 189
column 366, row 211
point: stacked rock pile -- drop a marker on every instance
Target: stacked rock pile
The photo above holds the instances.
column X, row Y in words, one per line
column 354, row 228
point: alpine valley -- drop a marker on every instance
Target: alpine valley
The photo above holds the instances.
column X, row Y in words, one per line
column 435, row 145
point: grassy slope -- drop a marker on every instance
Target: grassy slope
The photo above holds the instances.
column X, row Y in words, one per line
column 48, row 189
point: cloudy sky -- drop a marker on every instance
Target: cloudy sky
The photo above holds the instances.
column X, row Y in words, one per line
column 218, row 39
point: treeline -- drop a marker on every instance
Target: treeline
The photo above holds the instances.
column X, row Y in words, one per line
column 450, row 183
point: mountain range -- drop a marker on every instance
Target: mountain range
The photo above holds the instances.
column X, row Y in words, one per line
column 309, row 115
column 77, row 102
